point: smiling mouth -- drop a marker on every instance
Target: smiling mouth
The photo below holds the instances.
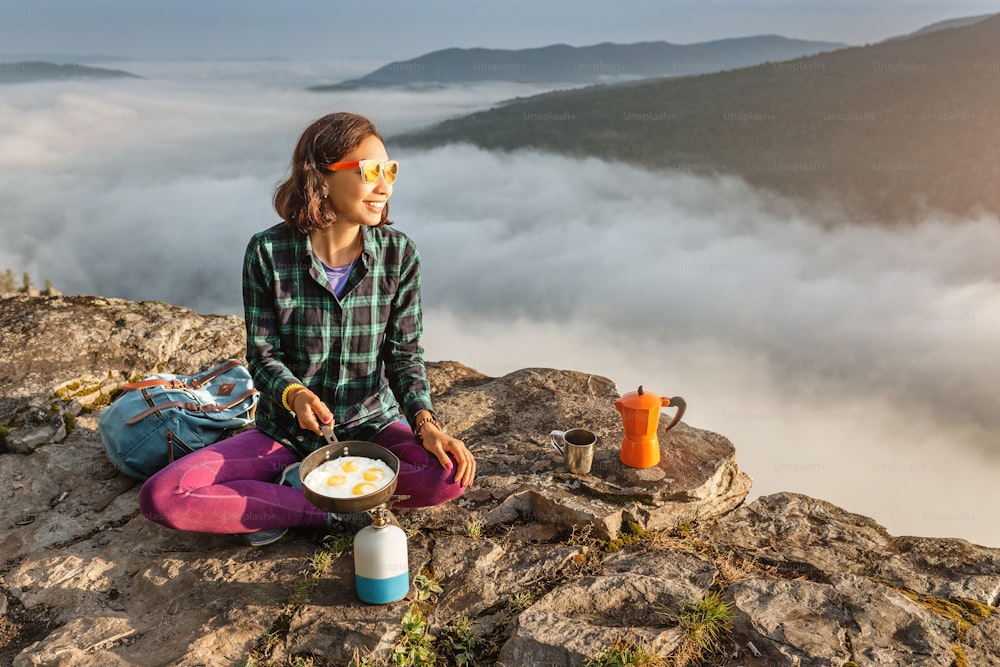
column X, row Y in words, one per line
column 375, row 204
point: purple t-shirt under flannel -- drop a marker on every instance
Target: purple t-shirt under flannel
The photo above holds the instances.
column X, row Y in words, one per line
column 338, row 277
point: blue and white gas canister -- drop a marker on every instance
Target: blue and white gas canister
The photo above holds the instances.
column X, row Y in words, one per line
column 381, row 563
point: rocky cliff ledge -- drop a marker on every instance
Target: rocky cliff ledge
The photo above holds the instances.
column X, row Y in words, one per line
column 532, row 567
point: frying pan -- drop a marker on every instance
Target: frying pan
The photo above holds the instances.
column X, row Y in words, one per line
column 349, row 448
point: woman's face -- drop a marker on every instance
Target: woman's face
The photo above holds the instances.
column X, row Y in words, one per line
column 352, row 199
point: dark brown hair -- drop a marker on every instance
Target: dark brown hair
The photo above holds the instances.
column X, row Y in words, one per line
column 299, row 200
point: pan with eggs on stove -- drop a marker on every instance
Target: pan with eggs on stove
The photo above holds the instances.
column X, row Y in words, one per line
column 352, row 476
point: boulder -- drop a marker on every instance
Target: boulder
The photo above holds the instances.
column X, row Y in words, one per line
column 848, row 619
column 64, row 353
column 507, row 422
column 799, row 531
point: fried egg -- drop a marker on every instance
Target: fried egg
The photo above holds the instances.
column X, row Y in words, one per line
column 349, row 477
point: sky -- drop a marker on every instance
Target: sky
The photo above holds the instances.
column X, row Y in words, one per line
column 400, row 29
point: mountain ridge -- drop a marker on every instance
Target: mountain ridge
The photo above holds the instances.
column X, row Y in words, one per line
column 36, row 70
column 947, row 24
column 562, row 63
column 883, row 132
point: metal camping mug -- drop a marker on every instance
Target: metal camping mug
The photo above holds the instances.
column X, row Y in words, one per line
column 577, row 447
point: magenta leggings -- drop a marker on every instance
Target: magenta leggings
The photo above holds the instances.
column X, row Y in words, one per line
column 229, row 487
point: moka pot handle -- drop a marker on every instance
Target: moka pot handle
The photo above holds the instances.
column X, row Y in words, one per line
column 675, row 402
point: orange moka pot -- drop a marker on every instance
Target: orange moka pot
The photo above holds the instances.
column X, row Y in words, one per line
column 640, row 411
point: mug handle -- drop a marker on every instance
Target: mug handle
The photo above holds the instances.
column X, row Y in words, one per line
column 675, row 402
column 557, row 434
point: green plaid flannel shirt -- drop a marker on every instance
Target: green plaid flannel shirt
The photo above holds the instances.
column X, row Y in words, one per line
column 360, row 354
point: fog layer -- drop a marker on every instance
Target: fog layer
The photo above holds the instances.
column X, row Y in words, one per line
column 854, row 363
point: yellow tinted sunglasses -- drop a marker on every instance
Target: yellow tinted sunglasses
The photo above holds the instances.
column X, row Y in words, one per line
column 370, row 169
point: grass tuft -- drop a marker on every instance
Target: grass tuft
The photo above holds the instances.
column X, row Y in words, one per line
column 366, row 660
column 705, row 624
column 624, row 652
column 521, row 600
column 474, row 529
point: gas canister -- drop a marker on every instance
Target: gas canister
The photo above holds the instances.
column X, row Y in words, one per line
column 381, row 563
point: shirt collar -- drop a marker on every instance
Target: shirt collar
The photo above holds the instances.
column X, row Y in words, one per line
column 369, row 246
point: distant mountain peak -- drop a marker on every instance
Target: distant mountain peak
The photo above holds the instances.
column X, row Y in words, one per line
column 32, row 71
column 951, row 23
column 596, row 63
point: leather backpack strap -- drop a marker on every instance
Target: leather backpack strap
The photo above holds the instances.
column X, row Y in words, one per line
column 194, row 383
column 156, row 408
column 155, row 382
column 190, row 407
column 215, row 372
column 239, row 399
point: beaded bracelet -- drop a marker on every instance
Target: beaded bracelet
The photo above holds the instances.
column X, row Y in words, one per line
column 284, row 395
column 420, row 425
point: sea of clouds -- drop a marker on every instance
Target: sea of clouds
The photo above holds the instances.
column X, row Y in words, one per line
column 855, row 363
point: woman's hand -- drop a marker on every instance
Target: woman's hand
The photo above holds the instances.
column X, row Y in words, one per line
column 440, row 444
column 310, row 410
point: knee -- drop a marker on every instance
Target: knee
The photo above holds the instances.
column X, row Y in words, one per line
column 429, row 485
column 151, row 502
column 448, row 491
column 148, row 506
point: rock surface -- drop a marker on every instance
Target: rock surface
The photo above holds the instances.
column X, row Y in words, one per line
column 540, row 566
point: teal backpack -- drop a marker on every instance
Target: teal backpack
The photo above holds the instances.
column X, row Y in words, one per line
column 163, row 417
